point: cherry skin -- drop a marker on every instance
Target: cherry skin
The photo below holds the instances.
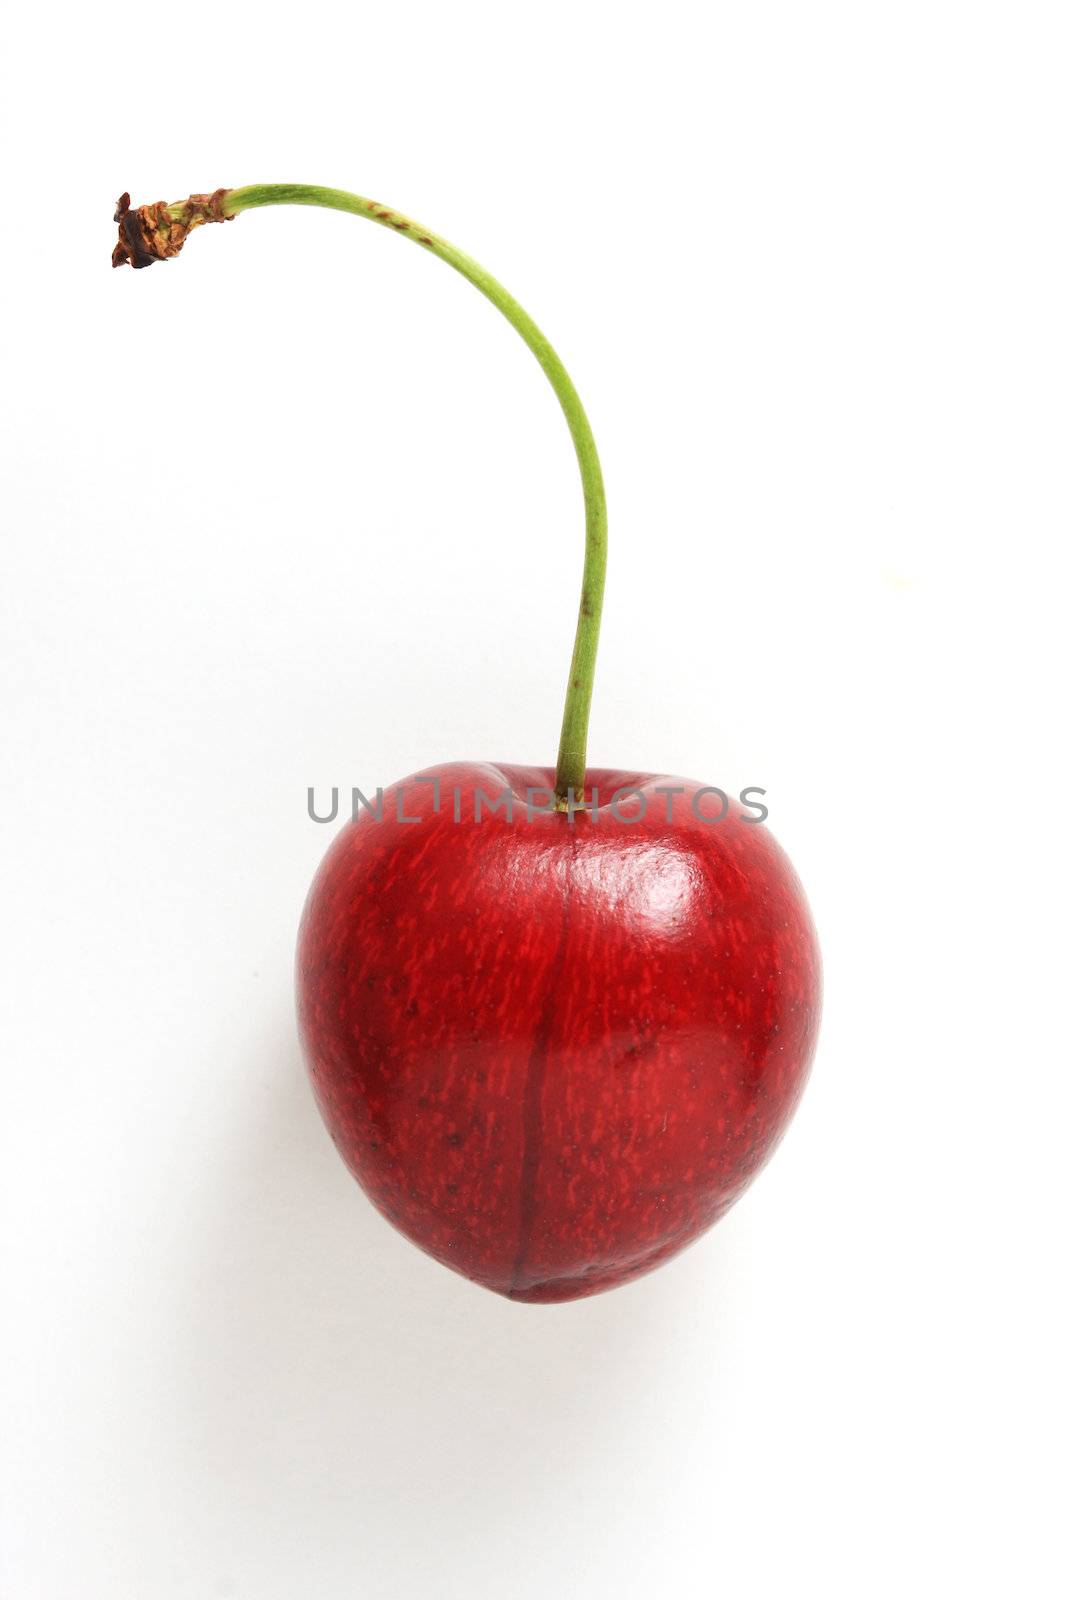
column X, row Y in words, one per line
column 554, row 1050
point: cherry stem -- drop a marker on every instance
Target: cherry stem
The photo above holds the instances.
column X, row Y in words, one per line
column 571, row 760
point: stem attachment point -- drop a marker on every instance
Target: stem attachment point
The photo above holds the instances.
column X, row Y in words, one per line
column 158, row 231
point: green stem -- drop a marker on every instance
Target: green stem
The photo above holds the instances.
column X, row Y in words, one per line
column 570, row 764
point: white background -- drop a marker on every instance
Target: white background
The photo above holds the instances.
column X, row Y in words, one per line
column 300, row 509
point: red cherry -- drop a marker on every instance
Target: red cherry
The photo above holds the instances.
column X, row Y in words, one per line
column 554, row 1050
column 552, row 1046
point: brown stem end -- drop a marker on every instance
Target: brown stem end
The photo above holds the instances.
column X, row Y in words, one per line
column 157, row 232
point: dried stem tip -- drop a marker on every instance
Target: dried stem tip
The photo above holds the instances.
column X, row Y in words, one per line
column 152, row 233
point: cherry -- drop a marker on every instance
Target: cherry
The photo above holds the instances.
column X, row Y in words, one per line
column 553, row 1052
column 556, row 1024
